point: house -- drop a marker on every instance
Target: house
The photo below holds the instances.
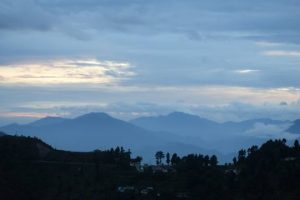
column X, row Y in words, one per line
column 231, row 171
column 162, row 169
column 290, row 158
column 147, row 190
column 159, row 169
column 181, row 195
column 126, row 189
column 137, row 164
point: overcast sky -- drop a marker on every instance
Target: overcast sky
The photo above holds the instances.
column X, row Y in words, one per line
column 224, row 60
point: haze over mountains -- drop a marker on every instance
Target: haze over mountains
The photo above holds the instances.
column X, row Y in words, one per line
column 180, row 132
column 192, row 125
column 295, row 128
column 86, row 132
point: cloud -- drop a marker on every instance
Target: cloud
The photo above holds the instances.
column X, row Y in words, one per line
column 187, row 55
column 21, row 15
column 237, row 111
column 270, row 131
column 219, row 103
column 171, row 42
column 37, row 115
column 57, row 72
column 246, row 71
column 267, row 44
column 259, row 18
column 281, row 53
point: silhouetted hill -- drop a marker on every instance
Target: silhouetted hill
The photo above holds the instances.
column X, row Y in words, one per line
column 22, row 148
column 270, row 171
column 31, row 169
column 295, row 128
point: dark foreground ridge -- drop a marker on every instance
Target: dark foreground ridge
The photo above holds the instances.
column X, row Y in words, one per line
column 32, row 169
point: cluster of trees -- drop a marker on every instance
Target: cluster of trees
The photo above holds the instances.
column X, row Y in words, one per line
column 14, row 148
column 271, row 171
column 20, row 148
column 192, row 159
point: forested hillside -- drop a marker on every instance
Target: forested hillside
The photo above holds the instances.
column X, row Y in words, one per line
column 31, row 169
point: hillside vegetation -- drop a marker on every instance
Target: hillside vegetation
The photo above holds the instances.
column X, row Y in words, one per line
column 31, row 169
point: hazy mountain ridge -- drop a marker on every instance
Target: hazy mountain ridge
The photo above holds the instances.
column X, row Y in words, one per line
column 226, row 137
column 193, row 125
column 177, row 131
column 48, row 121
column 179, row 123
column 295, row 128
column 86, row 132
column 96, row 130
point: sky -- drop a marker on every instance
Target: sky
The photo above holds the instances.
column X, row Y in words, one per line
column 223, row 60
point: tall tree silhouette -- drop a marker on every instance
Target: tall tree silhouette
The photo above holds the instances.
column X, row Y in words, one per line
column 175, row 159
column 168, row 158
column 159, row 156
column 213, row 160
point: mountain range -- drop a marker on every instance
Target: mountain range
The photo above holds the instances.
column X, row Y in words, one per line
column 295, row 128
column 84, row 133
column 193, row 125
column 180, row 132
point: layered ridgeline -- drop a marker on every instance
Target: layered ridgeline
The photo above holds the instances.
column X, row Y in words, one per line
column 32, row 169
column 227, row 137
column 295, row 128
column 86, row 132
column 100, row 131
column 176, row 132
column 193, row 125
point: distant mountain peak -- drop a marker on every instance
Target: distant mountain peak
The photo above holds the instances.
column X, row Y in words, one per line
column 182, row 114
column 50, row 120
column 90, row 131
column 177, row 122
column 101, row 115
column 177, row 113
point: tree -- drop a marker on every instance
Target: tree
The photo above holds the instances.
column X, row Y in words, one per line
column 168, row 158
column 234, row 160
column 242, row 155
column 139, row 159
column 117, row 150
column 206, row 160
column 159, row 156
column 296, row 144
column 175, row 159
column 284, row 141
column 213, row 160
column 252, row 150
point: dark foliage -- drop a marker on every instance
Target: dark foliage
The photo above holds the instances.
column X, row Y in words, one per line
column 31, row 169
